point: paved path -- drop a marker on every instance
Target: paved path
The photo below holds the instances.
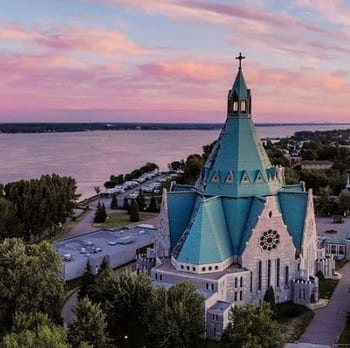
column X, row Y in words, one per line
column 329, row 322
column 67, row 313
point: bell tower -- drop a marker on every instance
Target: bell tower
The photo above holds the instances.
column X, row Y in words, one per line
column 239, row 98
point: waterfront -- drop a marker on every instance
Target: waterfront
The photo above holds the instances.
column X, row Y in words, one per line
column 91, row 157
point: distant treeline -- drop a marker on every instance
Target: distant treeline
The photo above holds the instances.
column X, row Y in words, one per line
column 83, row 127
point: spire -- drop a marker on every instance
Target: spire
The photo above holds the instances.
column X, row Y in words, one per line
column 238, row 165
column 239, row 99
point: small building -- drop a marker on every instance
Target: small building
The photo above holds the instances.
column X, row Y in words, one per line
column 117, row 247
column 316, row 165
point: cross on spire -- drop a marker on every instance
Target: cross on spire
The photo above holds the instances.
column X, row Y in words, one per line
column 240, row 57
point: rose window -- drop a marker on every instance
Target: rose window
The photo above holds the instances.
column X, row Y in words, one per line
column 269, row 240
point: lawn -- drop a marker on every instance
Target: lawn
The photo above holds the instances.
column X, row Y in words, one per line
column 293, row 320
column 121, row 218
column 327, row 286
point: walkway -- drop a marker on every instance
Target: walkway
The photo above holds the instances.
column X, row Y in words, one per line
column 329, row 322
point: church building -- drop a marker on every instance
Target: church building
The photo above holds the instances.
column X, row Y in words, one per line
column 239, row 230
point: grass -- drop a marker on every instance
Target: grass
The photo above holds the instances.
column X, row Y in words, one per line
column 293, row 320
column 339, row 264
column 68, row 226
column 345, row 336
column 121, row 218
column 327, row 286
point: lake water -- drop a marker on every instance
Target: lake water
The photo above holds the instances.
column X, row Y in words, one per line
column 91, row 157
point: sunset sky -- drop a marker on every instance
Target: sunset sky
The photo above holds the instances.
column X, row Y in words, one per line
column 173, row 60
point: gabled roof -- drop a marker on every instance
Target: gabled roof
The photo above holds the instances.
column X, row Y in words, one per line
column 293, row 208
column 180, row 206
column 207, row 238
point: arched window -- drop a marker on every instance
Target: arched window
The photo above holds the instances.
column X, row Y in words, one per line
column 268, row 273
column 241, row 282
column 243, row 106
column 236, row 282
column 259, row 275
column 286, row 276
column 235, row 106
column 278, row 266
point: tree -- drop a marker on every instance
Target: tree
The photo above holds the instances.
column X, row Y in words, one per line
column 126, row 298
column 134, row 211
column 30, row 280
column 251, row 326
column 192, row 168
column 10, row 225
column 325, row 203
column 90, row 325
column 86, row 281
column 114, row 202
column 141, row 202
column 344, row 202
column 269, row 297
column 153, row 208
column 40, row 205
column 35, row 330
column 100, row 215
column 181, row 318
column 126, row 204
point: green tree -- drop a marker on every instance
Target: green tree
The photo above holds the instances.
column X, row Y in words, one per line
column 134, row 211
column 269, row 297
column 90, row 325
column 100, row 215
column 126, row 205
column 30, row 280
column 192, row 168
column 153, row 208
column 114, row 202
column 141, row 202
column 86, row 281
column 181, row 318
column 10, row 225
column 35, row 330
column 325, row 202
column 251, row 326
column 344, row 202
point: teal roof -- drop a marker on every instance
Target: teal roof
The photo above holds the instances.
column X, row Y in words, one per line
column 236, row 213
column 256, row 209
column 239, row 86
column 293, row 207
column 180, row 188
column 294, row 188
column 238, row 165
column 207, row 238
column 180, row 206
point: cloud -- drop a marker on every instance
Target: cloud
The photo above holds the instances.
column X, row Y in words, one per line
column 92, row 40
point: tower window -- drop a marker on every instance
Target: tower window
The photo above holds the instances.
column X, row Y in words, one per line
column 241, row 282
column 243, row 106
column 235, row 106
column 286, row 276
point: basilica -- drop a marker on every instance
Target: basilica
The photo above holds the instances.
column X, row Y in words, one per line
column 240, row 229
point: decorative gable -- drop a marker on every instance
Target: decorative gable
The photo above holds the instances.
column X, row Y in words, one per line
column 245, row 178
column 229, row 178
column 259, row 178
column 215, row 178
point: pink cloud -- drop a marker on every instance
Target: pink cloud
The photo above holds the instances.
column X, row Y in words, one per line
column 99, row 41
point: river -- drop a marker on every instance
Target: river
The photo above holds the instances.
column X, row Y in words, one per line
column 91, row 157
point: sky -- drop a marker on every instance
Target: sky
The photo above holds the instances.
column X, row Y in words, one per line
column 173, row 60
